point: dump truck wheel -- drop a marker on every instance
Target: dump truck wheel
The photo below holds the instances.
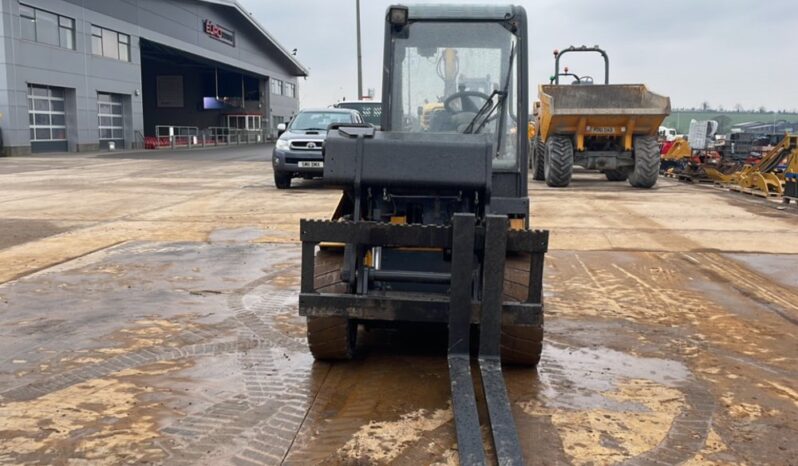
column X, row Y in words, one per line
column 330, row 338
column 558, row 164
column 647, row 160
column 282, row 180
column 536, row 160
column 521, row 344
column 616, row 175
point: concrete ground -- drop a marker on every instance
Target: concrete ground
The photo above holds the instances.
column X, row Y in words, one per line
column 148, row 315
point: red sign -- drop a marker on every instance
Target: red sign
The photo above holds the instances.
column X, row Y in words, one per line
column 220, row 33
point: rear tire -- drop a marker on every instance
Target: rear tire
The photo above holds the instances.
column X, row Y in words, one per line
column 558, row 165
column 282, row 180
column 647, row 160
column 616, row 175
column 520, row 344
column 330, row 338
column 536, row 159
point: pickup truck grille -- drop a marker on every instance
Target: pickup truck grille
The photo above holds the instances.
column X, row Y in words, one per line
column 310, row 145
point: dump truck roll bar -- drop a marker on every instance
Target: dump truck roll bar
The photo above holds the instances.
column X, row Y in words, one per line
column 595, row 48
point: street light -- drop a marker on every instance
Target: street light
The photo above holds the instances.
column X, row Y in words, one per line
column 359, row 56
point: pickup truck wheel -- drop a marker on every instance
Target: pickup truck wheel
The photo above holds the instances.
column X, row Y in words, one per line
column 536, row 159
column 647, row 160
column 330, row 338
column 558, row 163
column 520, row 344
column 282, row 180
column 616, row 175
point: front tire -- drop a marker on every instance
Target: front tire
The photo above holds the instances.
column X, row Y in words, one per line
column 558, row 163
column 536, row 159
column 282, row 180
column 520, row 344
column 330, row 338
column 647, row 160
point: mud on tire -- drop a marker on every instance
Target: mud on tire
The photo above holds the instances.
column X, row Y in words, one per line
column 520, row 344
column 330, row 338
column 538, row 152
column 558, row 163
column 647, row 160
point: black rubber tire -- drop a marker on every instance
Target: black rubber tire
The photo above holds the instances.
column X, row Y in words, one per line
column 330, row 338
column 537, row 153
column 282, row 180
column 520, row 344
column 647, row 160
column 616, row 175
column 558, row 163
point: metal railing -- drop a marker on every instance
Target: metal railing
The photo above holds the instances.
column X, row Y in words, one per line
column 170, row 137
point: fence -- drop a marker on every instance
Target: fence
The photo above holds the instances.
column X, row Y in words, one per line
column 171, row 137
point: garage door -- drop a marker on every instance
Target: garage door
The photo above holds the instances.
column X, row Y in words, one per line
column 110, row 121
column 47, row 118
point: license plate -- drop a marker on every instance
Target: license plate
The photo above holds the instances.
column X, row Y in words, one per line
column 311, row 164
column 602, row 130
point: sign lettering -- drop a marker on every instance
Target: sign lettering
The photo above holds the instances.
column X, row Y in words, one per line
column 219, row 33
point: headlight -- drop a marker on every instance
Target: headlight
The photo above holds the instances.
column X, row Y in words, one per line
column 282, row 144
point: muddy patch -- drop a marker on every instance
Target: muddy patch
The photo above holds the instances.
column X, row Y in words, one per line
column 107, row 421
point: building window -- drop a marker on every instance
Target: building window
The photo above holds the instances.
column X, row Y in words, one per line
column 47, row 28
column 290, row 90
column 109, row 115
column 110, row 44
column 46, row 113
column 277, row 87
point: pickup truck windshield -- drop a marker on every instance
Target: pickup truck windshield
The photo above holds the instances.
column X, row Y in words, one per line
column 318, row 120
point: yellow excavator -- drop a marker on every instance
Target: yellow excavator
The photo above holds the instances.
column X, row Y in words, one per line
column 764, row 177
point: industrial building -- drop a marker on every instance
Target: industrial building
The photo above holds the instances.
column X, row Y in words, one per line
column 83, row 75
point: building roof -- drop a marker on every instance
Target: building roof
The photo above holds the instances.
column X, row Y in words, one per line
column 299, row 68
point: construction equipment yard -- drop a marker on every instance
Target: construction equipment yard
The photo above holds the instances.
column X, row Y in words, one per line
column 148, row 314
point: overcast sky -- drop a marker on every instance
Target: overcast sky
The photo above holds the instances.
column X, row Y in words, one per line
column 722, row 52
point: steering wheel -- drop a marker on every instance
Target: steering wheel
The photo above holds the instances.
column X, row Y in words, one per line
column 464, row 101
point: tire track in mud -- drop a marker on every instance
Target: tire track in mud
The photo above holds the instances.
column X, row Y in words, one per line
column 260, row 425
column 779, row 299
column 118, row 363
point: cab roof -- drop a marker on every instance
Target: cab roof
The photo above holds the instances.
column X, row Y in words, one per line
column 484, row 12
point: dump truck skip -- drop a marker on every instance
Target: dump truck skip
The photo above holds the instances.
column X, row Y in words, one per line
column 607, row 127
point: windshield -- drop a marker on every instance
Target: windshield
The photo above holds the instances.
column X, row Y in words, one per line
column 318, row 120
column 370, row 111
column 451, row 77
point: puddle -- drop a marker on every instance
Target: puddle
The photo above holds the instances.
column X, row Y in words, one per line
column 780, row 268
column 578, row 378
column 606, row 406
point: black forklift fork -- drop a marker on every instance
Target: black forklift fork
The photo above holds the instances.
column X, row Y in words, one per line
column 464, row 404
column 460, row 309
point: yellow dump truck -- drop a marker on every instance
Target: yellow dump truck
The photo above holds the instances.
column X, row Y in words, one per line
column 607, row 127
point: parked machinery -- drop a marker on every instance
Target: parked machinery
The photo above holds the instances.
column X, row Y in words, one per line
column 791, row 178
column 611, row 128
column 434, row 222
column 767, row 176
column 675, row 154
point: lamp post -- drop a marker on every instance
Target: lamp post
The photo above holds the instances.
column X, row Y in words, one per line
column 359, row 56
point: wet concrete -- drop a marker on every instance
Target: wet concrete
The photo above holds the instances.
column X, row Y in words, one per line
column 165, row 331
column 193, row 353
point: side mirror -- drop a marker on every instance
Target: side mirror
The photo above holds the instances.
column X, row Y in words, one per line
column 281, row 129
